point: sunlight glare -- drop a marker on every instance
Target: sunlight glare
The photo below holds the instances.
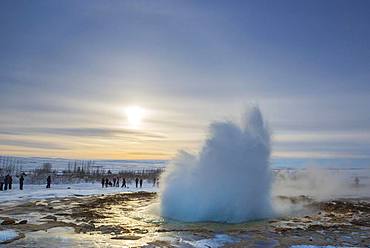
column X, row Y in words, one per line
column 134, row 115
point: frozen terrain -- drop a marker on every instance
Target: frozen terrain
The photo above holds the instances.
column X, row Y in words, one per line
column 39, row 192
column 86, row 215
column 316, row 206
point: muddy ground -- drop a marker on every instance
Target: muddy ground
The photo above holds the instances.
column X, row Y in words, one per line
column 127, row 220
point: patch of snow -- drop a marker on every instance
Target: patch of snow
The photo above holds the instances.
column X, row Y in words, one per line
column 6, row 235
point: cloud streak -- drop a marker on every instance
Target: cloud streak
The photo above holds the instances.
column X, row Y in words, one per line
column 84, row 132
column 32, row 144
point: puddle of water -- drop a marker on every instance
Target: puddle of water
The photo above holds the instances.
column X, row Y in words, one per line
column 66, row 237
column 218, row 241
column 7, row 235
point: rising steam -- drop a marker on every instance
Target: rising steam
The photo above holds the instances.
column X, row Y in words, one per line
column 230, row 180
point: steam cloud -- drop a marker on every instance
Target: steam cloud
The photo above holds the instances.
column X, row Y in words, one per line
column 230, row 180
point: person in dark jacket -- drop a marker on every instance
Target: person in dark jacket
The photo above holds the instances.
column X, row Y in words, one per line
column 123, row 183
column 102, row 182
column 21, row 180
column 136, row 181
column 117, row 184
column 141, row 182
column 106, row 182
column 48, row 182
column 2, row 179
column 6, row 182
column 357, row 181
column 10, row 182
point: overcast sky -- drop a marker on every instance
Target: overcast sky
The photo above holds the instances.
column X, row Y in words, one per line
column 69, row 69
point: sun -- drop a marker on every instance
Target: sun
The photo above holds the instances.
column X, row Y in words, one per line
column 135, row 115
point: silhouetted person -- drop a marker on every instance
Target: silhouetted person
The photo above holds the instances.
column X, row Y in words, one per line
column 357, row 181
column 136, row 181
column 6, row 182
column 123, row 183
column 10, row 182
column 141, row 182
column 117, row 184
column 2, row 179
column 154, row 181
column 114, row 181
column 21, row 180
column 48, row 182
column 106, row 182
column 102, row 182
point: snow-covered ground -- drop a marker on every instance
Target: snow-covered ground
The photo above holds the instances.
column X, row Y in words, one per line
column 33, row 192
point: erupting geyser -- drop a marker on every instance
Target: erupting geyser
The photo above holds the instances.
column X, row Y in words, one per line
column 230, row 180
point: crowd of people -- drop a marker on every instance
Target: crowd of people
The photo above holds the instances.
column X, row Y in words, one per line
column 6, row 182
column 116, row 182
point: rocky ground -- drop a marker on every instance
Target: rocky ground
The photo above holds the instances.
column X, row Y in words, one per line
column 126, row 219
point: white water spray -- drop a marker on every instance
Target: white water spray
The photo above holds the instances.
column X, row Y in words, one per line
column 230, row 180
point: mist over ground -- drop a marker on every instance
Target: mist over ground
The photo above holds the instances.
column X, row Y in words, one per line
column 322, row 183
column 231, row 179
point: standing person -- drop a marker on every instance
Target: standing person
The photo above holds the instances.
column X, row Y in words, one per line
column 2, row 179
column 21, row 180
column 48, row 182
column 117, row 185
column 141, row 182
column 154, row 181
column 102, row 182
column 114, row 181
column 10, row 182
column 136, row 181
column 123, row 183
column 357, row 181
column 6, row 182
column 106, row 182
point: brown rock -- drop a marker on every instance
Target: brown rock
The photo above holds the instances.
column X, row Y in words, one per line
column 85, row 227
column 126, row 237
column 49, row 217
column 111, row 229
column 8, row 221
column 22, row 222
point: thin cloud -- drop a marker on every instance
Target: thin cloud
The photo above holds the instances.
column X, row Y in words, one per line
column 85, row 132
column 32, row 144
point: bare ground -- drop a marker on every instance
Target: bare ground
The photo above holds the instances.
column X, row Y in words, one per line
column 122, row 219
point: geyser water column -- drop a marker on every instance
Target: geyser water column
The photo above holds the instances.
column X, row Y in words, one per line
column 230, row 180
